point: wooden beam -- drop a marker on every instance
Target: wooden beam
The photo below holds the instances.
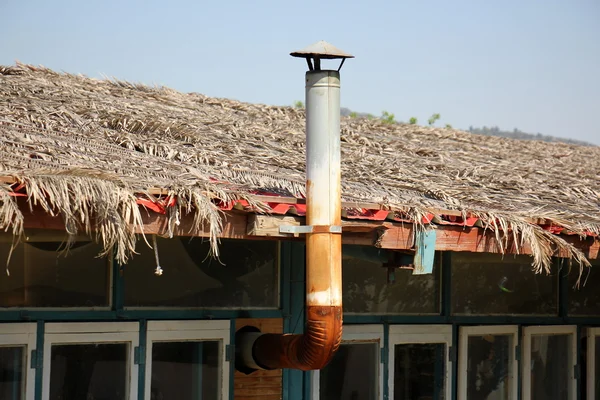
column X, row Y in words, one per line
column 589, row 246
column 234, row 225
column 383, row 234
column 37, row 218
column 268, row 225
column 398, row 237
column 456, row 238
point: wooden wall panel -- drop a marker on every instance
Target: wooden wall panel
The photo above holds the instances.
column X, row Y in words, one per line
column 267, row 385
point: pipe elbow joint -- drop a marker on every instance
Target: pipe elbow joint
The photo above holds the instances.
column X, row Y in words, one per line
column 311, row 350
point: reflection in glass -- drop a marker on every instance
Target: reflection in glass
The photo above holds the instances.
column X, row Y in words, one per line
column 89, row 371
column 42, row 274
column 352, row 374
column 486, row 284
column 244, row 276
column 551, row 362
column 489, row 367
column 366, row 288
column 585, row 299
column 419, row 371
column 12, row 372
column 185, row 370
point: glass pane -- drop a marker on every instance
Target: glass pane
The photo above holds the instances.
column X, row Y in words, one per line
column 352, row 374
column 366, row 289
column 419, row 371
column 43, row 275
column 185, row 370
column 89, row 371
column 487, row 284
column 551, row 365
column 244, row 276
column 489, row 367
column 12, row 372
column 585, row 299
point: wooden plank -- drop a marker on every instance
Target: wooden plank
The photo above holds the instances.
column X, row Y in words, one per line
column 383, row 234
column 234, row 222
column 259, row 392
column 589, row 246
column 474, row 239
column 234, row 225
column 398, row 237
column 266, row 325
column 268, row 225
column 457, row 238
column 362, row 239
column 449, row 238
column 259, row 384
column 39, row 219
column 261, row 381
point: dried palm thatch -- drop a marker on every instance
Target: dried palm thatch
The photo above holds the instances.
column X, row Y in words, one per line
column 87, row 148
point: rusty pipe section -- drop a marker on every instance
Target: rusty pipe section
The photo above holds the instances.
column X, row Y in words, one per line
column 323, row 331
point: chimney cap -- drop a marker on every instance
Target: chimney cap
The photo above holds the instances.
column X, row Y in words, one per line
column 322, row 50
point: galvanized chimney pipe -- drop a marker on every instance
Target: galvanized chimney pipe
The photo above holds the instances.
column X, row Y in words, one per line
column 323, row 331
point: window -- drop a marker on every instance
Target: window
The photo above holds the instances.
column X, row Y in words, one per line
column 16, row 377
column 186, row 360
column 488, row 364
column 585, row 299
column 43, row 273
column 419, row 362
column 549, row 363
column 490, row 284
column 592, row 362
column 366, row 288
column 90, row 361
column 355, row 371
column 246, row 275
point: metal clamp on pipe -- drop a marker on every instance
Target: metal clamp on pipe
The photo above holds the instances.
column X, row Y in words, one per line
column 310, row 229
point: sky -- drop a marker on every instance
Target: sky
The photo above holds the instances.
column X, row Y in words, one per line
column 532, row 65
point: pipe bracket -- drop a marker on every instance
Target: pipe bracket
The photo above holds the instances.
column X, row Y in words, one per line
column 296, row 229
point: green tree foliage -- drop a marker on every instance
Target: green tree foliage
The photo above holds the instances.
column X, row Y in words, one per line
column 518, row 134
column 388, row 118
column 432, row 120
column 490, row 131
column 298, row 104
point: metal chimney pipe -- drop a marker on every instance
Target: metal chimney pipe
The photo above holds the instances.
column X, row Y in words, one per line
column 323, row 332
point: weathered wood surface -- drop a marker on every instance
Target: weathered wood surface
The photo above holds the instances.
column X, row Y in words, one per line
column 383, row 234
column 266, row 385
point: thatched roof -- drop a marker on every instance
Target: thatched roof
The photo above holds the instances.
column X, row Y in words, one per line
column 88, row 148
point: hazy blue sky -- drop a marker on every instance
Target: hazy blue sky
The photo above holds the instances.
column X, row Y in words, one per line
column 534, row 65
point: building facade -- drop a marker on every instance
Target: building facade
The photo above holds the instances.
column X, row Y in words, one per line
column 147, row 233
column 480, row 326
